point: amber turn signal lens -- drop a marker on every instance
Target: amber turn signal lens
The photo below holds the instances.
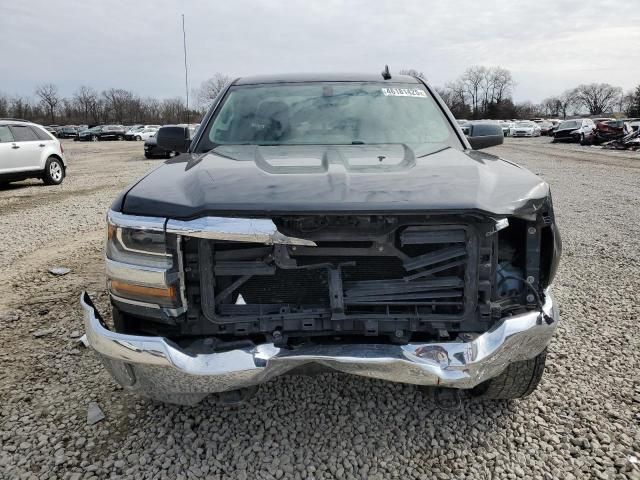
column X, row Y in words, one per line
column 111, row 231
column 138, row 291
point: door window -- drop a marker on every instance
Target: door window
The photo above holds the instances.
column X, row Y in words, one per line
column 41, row 134
column 22, row 133
column 5, row 134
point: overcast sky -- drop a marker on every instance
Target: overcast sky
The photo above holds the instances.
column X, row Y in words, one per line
column 549, row 45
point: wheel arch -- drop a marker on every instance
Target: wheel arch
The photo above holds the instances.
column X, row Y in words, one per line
column 56, row 156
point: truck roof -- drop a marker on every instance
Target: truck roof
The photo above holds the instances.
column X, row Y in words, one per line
column 322, row 77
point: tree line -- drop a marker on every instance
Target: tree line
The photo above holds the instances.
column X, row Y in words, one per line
column 87, row 106
column 480, row 92
column 486, row 92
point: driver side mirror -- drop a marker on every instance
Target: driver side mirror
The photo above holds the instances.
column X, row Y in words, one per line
column 484, row 135
column 173, row 139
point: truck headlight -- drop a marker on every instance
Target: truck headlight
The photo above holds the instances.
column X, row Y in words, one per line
column 141, row 261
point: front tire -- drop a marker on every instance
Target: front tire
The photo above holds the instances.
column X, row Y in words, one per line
column 519, row 380
column 94, row 138
column 120, row 137
column 138, row 138
column 53, row 171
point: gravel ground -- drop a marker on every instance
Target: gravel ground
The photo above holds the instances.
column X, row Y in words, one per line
column 582, row 422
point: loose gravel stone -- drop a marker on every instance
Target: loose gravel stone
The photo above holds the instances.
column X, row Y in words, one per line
column 581, row 422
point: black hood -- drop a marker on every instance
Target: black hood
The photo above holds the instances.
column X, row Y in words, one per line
column 263, row 180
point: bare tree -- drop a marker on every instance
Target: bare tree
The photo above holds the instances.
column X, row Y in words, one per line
column 625, row 103
column 551, row 106
column 501, row 83
column 634, row 109
column 209, row 89
column 86, row 99
column 20, row 107
column 48, row 94
column 4, row 105
column 473, row 80
column 413, row 73
column 598, row 98
column 172, row 109
column 566, row 100
column 152, row 109
column 118, row 103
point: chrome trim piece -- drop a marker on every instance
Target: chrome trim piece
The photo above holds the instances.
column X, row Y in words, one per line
column 137, row 303
column 171, row 312
column 140, row 275
column 161, row 367
column 154, row 224
column 257, row 230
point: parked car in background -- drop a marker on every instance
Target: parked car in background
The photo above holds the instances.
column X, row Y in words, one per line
column 151, row 149
column 573, row 130
column 634, row 124
column 146, row 133
column 28, row 150
column 141, row 132
column 68, row 131
column 329, row 222
column 102, row 132
column 525, row 128
column 546, row 127
column 606, row 131
column 506, row 127
column 130, row 131
column 603, row 119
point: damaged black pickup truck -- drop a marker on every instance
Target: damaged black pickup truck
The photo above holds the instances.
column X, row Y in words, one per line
column 329, row 222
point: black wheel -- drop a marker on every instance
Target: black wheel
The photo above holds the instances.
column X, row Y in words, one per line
column 120, row 137
column 582, row 139
column 148, row 155
column 138, row 138
column 519, row 380
column 94, row 138
column 53, row 171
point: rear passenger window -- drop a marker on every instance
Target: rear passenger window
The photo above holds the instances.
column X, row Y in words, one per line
column 5, row 134
column 40, row 133
column 22, row 133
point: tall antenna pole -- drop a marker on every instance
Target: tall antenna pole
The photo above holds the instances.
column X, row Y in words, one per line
column 186, row 74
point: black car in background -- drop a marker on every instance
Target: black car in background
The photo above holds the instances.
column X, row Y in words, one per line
column 151, row 149
column 67, row 132
column 102, row 132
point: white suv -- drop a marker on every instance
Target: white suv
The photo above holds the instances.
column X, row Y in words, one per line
column 27, row 150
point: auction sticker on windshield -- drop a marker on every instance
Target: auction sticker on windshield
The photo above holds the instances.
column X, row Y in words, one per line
column 404, row 92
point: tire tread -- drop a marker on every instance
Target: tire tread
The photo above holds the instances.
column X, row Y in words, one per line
column 519, row 380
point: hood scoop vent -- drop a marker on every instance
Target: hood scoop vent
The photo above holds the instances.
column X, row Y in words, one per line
column 317, row 158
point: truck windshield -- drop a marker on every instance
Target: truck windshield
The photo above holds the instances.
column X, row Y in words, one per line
column 331, row 113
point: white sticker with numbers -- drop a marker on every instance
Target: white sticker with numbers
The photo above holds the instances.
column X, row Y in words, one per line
column 403, row 92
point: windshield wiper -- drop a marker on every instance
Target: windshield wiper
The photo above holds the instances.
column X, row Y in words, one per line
column 435, row 151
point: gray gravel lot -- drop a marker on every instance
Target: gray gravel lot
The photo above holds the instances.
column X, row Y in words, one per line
column 582, row 422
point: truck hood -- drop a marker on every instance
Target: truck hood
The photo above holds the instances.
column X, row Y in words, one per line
column 262, row 180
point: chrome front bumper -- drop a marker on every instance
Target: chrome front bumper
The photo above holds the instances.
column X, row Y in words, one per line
column 156, row 367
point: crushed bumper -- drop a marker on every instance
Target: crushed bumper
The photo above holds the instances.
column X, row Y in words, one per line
column 156, row 367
